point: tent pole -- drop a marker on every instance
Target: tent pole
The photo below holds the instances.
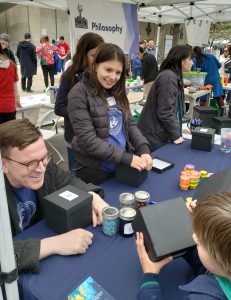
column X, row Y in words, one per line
column 158, row 37
column 7, row 259
column 72, row 44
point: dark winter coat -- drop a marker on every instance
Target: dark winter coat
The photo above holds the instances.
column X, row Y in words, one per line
column 149, row 68
column 26, row 54
column 158, row 121
column 90, row 121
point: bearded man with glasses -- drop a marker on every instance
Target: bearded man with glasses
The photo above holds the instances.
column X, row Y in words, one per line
column 30, row 174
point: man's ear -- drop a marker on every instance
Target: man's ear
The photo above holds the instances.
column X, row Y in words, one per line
column 4, row 166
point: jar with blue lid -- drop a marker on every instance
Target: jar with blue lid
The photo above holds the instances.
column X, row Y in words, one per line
column 126, row 217
column 110, row 220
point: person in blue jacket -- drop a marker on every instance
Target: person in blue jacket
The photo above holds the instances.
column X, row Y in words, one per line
column 212, row 235
column 208, row 63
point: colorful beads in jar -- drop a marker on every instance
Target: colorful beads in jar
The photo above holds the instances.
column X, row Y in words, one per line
column 126, row 217
column 142, row 198
column 110, row 220
column 127, row 200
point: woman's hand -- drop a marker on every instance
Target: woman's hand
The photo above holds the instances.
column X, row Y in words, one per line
column 147, row 265
column 180, row 140
column 138, row 163
column 148, row 159
column 186, row 131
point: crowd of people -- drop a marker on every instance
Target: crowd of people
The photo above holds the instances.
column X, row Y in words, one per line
column 101, row 134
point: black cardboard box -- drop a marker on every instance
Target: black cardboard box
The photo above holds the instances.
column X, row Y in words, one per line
column 166, row 227
column 205, row 113
column 221, row 122
column 130, row 176
column 218, row 182
column 203, row 138
column 68, row 208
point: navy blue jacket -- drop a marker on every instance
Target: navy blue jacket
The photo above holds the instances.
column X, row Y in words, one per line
column 203, row 287
column 27, row 57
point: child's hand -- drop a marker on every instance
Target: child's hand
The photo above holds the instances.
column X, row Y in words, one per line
column 191, row 205
column 147, row 265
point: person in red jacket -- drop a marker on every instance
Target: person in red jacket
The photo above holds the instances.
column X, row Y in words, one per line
column 9, row 97
column 64, row 50
column 46, row 52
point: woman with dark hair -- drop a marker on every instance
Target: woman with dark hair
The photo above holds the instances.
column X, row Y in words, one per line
column 82, row 60
column 9, row 97
column 161, row 117
column 208, row 63
column 104, row 132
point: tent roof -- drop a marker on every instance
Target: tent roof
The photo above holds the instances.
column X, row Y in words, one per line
column 160, row 11
column 164, row 11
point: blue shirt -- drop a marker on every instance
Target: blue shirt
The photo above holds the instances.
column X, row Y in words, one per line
column 116, row 134
column 25, row 201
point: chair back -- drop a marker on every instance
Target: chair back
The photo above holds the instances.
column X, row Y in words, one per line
column 48, row 118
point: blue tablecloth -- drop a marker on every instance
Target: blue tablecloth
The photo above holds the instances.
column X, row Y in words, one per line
column 112, row 261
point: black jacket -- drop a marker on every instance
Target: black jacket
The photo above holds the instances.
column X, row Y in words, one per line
column 149, row 68
column 158, row 121
column 27, row 251
column 61, row 102
column 89, row 118
column 26, row 54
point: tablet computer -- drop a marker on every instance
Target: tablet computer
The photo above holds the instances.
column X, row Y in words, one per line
column 160, row 165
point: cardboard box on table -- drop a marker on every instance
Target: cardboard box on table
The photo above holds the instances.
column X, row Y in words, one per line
column 166, row 227
column 130, row 176
column 221, row 122
column 68, row 208
column 205, row 113
column 203, row 138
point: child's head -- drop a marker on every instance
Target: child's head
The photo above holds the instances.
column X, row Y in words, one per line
column 109, row 72
column 212, row 233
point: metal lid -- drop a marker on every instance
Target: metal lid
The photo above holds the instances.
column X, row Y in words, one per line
column 127, row 198
column 127, row 213
column 110, row 212
column 142, row 196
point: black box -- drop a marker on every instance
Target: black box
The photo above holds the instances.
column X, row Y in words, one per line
column 63, row 215
column 203, row 138
column 166, row 227
column 219, row 182
column 205, row 113
column 221, row 122
column 130, row 176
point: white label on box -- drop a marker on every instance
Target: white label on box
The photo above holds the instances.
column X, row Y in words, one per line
column 128, row 228
column 68, row 195
column 203, row 130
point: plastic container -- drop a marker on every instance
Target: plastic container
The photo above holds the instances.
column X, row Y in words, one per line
column 110, row 220
column 142, row 198
column 225, row 140
column 196, row 78
column 127, row 200
column 126, row 217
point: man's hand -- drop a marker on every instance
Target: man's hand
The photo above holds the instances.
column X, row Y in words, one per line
column 147, row 265
column 98, row 205
column 73, row 242
column 148, row 159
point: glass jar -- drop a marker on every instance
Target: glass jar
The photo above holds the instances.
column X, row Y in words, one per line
column 225, row 140
column 142, row 198
column 126, row 217
column 110, row 220
column 127, row 200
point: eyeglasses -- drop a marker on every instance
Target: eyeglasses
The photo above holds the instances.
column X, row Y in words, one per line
column 33, row 165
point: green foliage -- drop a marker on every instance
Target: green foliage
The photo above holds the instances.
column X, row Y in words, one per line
column 220, row 31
